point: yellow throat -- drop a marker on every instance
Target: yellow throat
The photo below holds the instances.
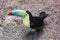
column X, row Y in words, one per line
column 26, row 21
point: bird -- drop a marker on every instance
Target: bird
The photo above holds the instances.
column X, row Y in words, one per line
column 30, row 21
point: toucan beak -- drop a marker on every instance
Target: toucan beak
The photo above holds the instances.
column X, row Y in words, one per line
column 9, row 13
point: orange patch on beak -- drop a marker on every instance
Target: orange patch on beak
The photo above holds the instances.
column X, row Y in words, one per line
column 9, row 13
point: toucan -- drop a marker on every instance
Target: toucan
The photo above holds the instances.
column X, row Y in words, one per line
column 30, row 21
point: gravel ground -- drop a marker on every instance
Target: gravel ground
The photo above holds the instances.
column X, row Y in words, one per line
column 12, row 30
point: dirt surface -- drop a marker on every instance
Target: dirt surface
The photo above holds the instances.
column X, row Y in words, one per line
column 13, row 31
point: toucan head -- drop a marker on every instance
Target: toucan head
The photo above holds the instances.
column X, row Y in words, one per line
column 9, row 13
column 30, row 15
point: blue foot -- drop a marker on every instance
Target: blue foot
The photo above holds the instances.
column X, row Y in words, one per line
column 35, row 35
